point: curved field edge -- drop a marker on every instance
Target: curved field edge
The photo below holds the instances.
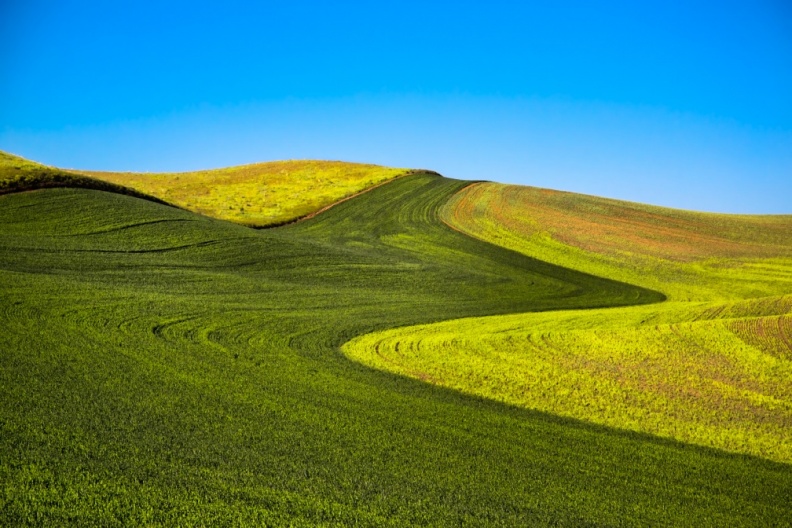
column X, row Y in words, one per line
column 19, row 175
column 159, row 367
column 695, row 373
column 686, row 255
column 259, row 195
column 713, row 372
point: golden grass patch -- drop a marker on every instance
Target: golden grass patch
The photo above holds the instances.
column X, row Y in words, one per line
column 712, row 366
column 261, row 194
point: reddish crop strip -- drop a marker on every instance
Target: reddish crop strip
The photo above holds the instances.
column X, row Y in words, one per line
column 712, row 367
column 715, row 375
column 771, row 335
column 613, row 227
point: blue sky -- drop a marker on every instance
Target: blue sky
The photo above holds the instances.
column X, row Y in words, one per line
column 686, row 104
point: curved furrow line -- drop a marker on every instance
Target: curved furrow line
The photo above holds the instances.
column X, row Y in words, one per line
column 121, row 228
column 19, row 311
column 207, row 384
column 687, row 367
column 689, row 381
column 197, row 245
column 771, row 335
column 249, row 333
column 171, row 330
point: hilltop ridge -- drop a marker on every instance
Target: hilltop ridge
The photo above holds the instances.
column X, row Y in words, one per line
column 18, row 174
column 260, row 194
column 256, row 195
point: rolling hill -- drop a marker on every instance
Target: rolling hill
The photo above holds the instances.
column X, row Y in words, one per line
column 19, row 175
column 257, row 195
column 163, row 367
column 712, row 366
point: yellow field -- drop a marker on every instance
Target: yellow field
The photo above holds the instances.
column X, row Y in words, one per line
column 262, row 194
column 689, row 256
column 712, row 366
column 18, row 175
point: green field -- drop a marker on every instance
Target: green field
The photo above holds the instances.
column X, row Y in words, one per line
column 713, row 366
column 162, row 367
column 18, row 174
column 257, row 195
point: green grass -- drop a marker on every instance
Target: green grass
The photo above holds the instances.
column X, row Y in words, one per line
column 160, row 367
column 261, row 194
column 712, row 374
column 711, row 367
column 689, row 256
column 18, row 175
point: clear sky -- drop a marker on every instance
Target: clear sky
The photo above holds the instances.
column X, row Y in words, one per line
column 685, row 104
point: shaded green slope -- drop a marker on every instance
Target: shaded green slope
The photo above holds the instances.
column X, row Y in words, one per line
column 18, row 174
column 158, row 366
column 711, row 367
column 261, row 194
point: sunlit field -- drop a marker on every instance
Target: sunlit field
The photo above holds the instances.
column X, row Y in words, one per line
column 258, row 195
column 163, row 367
column 712, row 366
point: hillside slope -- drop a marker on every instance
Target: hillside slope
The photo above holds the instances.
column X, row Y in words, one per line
column 18, row 174
column 687, row 255
column 161, row 367
column 713, row 366
column 261, row 194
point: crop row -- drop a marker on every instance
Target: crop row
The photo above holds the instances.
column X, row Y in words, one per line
column 159, row 367
column 724, row 383
column 162, row 368
column 711, row 367
column 686, row 255
column 261, row 194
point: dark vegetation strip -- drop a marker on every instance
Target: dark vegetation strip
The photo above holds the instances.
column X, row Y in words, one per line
column 20, row 175
column 205, row 386
column 308, row 216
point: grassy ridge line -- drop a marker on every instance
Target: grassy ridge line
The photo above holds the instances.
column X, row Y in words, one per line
column 309, row 216
column 688, row 256
column 261, row 194
column 210, row 192
column 163, row 368
column 656, row 369
column 18, row 175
